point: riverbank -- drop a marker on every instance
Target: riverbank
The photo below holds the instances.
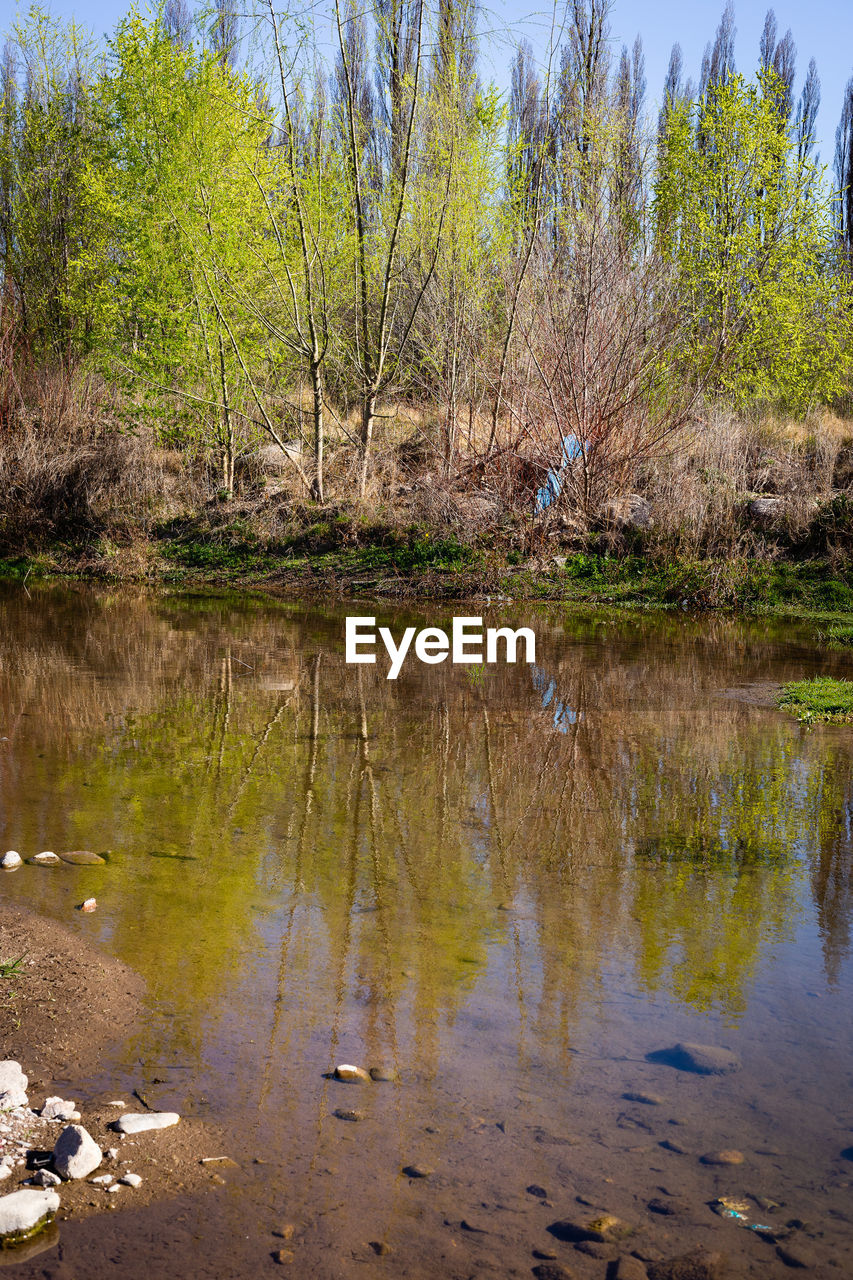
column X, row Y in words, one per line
column 446, row 569
column 62, row 1006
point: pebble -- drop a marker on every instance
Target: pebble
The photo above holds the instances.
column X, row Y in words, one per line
column 343, row 1113
column 283, row 1255
column 11, row 859
column 83, row 858
column 417, row 1170
column 535, row 1190
column 379, row 1247
column 115, row 1186
column 668, row 1206
column 384, row 1075
column 629, row 1268
column 603, row 1228
column 139, row 1122
column 699, row 1264
column 45, row 1178
column 23, row 1211
column 548, row 1255
column 552, row 1271
column 103, row 1180
column 728, row 1157
column 76, row 1153
column 647, row 1099
column 91, row 904
column 669, row 1145
column 346, row 1071
column 285, row 1232
column 45, row 859
column 702, row 1059
column 13, row 1085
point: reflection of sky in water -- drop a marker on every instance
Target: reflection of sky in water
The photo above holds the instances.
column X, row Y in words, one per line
column 546, row 685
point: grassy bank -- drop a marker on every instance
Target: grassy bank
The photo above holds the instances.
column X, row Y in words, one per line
column 423, row 567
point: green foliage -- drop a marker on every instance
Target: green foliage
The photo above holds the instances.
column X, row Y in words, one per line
column 822, row 698
column 839, row 634
column 12, row 968
column 749, row 228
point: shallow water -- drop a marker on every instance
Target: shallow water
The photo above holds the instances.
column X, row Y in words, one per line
column 508, row 884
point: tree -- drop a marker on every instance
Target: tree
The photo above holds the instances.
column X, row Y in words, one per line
column 748, row 225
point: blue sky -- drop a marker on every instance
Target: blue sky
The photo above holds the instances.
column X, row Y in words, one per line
column 823, row 30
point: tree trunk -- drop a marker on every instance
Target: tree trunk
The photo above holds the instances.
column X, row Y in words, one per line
column 317, row 487
column 368, row 414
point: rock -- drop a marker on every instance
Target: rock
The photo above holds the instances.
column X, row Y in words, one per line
column 696, row 1265
column 628, row 512
column 603, row 1228
column 46, row 859
column 668, row 1206
column 766, row 510
column 13, row 1086
column 379, row 1247
column 76, row 1153
column 91, row 904
column 418, row 1171
column 25, row 1212
column 384, row 1075
column 59, row 1109
column 5, row 1171
column 350, row 1074
column 103, row 1180
column 139, row 1122
column 791, row 1258
column 46, row 1178
column 11, row 859
column 595, row 1249
column 113, row 1187
column 629, row 1268
column 702, row 1059
column 83, row 858
column 285, row 1232
column 343, row 1113
column 647, row 1099
column 548, row 1255
column 727, row 1157
column 669, row 1145
column 552, row 1271
column 538, row 1192
column 283, row 1255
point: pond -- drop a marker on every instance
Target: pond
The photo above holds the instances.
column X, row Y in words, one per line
column 509, row 886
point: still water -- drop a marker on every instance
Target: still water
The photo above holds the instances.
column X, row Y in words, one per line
column 509, row 885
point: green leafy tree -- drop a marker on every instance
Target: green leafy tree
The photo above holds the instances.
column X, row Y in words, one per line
column 748, row 224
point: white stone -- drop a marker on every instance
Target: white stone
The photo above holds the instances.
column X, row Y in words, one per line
column 11, row 859
column 47, row 1178
column 131, row 1179
column 113, row 1153
column 115, row 1187
column 13, row 1085
column 59, row 1109
column 46, row 859
column 346, row 1071
column 21, row 1211
column 138, row 1122
column 76, row 1153
column 5, row 1171
column 103, row 1180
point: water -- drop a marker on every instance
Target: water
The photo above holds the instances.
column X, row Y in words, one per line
column 508, row 884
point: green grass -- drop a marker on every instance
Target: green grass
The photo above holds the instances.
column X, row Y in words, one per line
column 822, row 698
column 839, row 634
column 11, row 968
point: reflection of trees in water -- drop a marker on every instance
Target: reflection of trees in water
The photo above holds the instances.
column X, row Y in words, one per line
column 364, row 835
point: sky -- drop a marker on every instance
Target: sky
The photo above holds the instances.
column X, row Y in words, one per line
column 822, row 29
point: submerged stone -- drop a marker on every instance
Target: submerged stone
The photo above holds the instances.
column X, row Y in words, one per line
column 603, row 1228
column 83, row 858
column 46, row 859
column 702, row 1059
column 346, row 1071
